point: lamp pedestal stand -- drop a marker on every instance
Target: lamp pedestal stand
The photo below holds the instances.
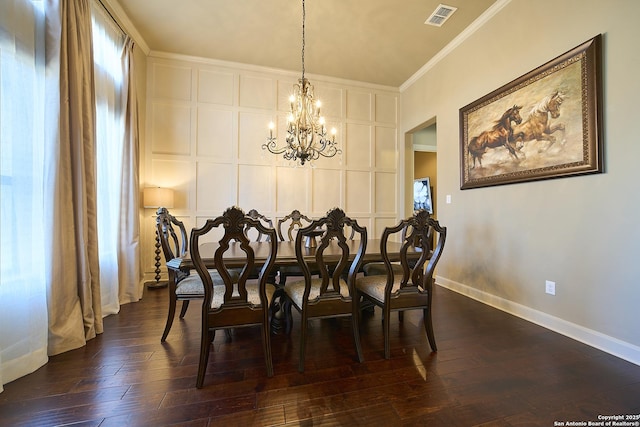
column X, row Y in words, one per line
column 157, row 284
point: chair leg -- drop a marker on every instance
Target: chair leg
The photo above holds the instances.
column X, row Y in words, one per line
column 266, row 343
column 356, row 333
column 205, row 346
column 170, row 316
column 386, row 321
column 183, row 310
column 303, row 341
column 428, row 327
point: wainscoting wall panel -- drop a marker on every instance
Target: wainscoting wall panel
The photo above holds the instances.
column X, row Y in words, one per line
column 172, row 81
column 358, row 151
column 386, row 148
column 206, row 125
column 216, row 87
column 171, row 131
column 359, row 105
column 215, row 133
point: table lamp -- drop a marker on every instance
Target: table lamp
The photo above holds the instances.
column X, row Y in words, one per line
column 157, row 197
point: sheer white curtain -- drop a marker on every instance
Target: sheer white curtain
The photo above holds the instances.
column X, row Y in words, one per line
column 118, row 234
column 23, row 308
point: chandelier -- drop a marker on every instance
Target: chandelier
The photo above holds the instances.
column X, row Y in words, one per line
column 307, row 137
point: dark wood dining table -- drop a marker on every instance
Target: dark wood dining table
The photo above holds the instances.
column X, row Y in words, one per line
column 286, row 255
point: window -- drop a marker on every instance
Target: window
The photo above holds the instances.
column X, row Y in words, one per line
column 22, row 261
column 108, row 45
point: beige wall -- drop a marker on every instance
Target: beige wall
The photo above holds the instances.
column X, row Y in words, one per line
column 581, row 232
column 207, row 121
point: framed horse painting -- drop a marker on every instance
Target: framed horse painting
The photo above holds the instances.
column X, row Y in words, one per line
column 544, row 124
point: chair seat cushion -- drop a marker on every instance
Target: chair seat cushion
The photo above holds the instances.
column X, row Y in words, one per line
column 191, row 286
column 295, row 290
column 374, row 286
column 253, row 294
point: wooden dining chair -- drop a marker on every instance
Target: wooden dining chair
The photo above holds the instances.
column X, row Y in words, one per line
column 253, row 213
column 413, row 288
column 288, row 227
column 256, row 236
column 329, row 295
column 234, row 303
column 377, row 268
column 183, row 286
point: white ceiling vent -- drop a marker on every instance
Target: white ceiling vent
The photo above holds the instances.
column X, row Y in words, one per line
column 441, row 14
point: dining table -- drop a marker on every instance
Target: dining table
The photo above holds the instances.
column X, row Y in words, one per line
column 286, row 253
column 235, row 257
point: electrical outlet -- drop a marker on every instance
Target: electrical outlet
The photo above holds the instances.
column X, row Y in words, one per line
column 550, row 287
column 448, row 198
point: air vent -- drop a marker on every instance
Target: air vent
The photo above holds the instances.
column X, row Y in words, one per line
column 440, row 15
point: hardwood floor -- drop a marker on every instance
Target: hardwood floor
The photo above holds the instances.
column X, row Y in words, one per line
column 491, row 369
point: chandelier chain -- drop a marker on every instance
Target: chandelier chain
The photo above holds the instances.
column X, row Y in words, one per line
column 303, row 40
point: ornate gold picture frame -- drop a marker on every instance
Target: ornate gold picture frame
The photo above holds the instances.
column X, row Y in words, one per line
column 544, row 124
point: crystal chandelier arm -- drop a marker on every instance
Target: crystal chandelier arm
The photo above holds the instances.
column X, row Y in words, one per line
column 272, row 146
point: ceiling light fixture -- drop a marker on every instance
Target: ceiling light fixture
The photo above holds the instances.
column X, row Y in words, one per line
column 307, row 137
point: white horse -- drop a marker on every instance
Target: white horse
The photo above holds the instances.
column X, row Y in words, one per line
column 537, row 125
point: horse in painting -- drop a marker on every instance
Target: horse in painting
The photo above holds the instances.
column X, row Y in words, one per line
column 537, row 125
column 501, row 135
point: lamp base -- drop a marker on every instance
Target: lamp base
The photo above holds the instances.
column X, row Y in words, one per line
column 156, row 285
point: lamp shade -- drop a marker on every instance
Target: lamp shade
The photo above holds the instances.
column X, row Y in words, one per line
column 155, row 197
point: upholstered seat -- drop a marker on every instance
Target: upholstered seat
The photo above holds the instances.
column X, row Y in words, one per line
column 253, row 295
column 375, row 285
column 295, row 290
column 191, row 286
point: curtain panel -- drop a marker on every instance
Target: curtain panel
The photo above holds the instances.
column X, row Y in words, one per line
column 129, row 262
column 117, row 151
column 73, row 291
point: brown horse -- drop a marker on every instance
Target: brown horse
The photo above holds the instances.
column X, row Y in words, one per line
column 500, row 135
column 537, row 125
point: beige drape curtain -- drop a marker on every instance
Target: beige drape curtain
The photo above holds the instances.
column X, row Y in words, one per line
column 73, row 290
column 130, row 284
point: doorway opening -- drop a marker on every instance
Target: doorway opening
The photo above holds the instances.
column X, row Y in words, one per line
column 421, row 162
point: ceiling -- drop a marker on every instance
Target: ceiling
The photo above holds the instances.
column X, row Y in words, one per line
column 375, row 41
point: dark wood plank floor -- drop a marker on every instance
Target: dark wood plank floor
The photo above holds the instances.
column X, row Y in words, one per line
column 492, row 369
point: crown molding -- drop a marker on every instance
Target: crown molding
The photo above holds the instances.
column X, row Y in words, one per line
column 123, row 20
column 453, row 44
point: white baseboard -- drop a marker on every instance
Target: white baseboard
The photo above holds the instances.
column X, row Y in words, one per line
column 606, row 343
